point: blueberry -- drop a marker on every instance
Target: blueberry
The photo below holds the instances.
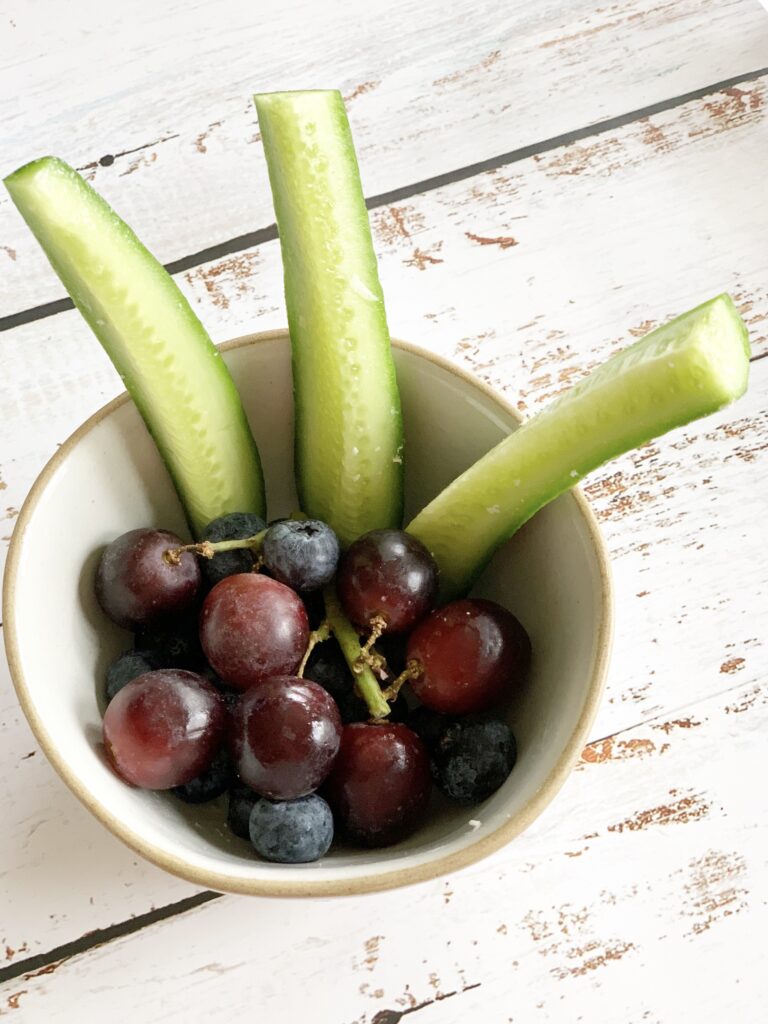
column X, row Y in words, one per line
column 241, row 801
column 231, row 698
column 291, row 831
column 229, row 695
column 235, row 526
column 398, row 709
column 128, row 666
column 176, row 641
column 212, row 783
column 472, row 758
column 327, row 666
column 303, row 554
column 393, row 647
column 315, row 607
column 428, row 725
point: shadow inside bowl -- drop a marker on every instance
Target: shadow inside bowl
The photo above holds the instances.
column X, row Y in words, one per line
column 112, row 639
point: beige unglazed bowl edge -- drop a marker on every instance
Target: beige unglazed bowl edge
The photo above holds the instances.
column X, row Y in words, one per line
column 378, row 879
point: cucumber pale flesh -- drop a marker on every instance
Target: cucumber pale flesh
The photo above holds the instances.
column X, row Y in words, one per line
column 687, row 368
column 172, row 370
column 348, row 423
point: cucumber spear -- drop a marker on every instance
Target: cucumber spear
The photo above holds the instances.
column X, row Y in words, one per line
column 172, row 370
column 688, row 368
column 349, row 435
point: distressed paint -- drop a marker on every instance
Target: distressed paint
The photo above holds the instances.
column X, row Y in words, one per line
column 575, row 917
column 662, row 508
column 430, row 88
column 656, row 851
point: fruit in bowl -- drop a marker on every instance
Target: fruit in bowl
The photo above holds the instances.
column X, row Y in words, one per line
column 110, row 477
column 462, row 505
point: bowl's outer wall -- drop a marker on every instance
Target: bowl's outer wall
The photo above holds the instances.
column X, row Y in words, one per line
column 108, row 478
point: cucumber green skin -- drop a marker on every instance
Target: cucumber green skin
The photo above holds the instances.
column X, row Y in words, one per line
column 688, row 368
column 349, row 436
column 169, row 365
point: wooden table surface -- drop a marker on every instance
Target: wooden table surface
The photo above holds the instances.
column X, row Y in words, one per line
column 546, row 181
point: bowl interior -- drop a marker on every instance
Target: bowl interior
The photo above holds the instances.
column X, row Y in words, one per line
column 109, row 479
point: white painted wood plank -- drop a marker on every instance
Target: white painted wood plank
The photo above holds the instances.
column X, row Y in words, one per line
column 519, row 270
column 431, row 87
column 507, row 314
column 669, row 652
column 61, row 873
column 636, row 897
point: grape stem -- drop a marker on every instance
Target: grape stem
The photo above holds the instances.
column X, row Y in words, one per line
column 412, row 670
column 207, row 548
column 368, row 655
column 317, row 636
column 349, row 641
column 378, row 663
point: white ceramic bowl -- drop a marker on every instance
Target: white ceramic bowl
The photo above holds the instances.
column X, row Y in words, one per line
column 108, row 478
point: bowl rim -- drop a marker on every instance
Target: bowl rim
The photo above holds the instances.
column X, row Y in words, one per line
column 377, row 880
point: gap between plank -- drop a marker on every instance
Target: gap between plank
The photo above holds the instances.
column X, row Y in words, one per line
column 396, row 1016
column 101, row 936
column 33, row 964
column 669, row 713
column 252, row 239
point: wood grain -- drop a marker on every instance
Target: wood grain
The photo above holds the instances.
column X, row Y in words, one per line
column 163, row 123
column 601, row 256
column 643, row 862
column 656, row 852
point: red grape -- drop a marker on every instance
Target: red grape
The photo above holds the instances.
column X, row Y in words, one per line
column 471, row 653
column 164, row 728
column 390, row 574
column 380, row 783
column 136, row 586
column 285, row 735
column 251, row 628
